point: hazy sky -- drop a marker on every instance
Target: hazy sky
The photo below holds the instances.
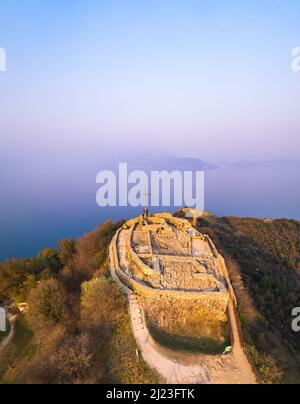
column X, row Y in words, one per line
column 204, row 78
column 91, row 82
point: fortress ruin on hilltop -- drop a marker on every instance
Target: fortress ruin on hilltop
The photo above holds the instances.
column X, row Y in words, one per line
column 165, row 257
column 180, row 296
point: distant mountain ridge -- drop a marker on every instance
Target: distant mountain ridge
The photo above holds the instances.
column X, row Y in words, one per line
column 263, row 163
column 193, row 164
column 172, row 164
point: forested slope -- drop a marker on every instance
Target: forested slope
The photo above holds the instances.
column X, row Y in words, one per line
column 77, row 329
column 263, row 259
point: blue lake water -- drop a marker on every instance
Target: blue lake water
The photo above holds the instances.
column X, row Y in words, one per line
column 37, row 210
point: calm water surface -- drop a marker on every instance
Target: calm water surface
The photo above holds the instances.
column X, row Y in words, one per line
column 38, row 209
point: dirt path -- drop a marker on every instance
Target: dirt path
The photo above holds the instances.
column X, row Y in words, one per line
column 176, row 368
column 12, row 321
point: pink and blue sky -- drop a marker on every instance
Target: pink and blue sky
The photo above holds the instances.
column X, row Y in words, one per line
column 205, row 78
column 90, row 80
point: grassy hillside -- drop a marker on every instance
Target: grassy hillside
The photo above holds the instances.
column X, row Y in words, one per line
column 263, row 259
column 77, row 329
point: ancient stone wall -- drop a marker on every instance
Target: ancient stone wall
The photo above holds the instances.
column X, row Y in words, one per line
column 207, row 300
column 213, row 305
column 170, row 312
column 140, row 264
column 217, row 300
